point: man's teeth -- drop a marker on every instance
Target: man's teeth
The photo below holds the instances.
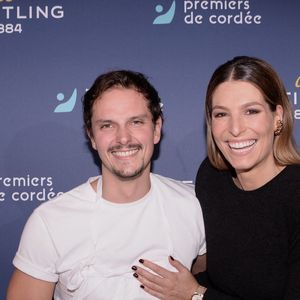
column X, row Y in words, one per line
column 242, row 145
column 124, row 153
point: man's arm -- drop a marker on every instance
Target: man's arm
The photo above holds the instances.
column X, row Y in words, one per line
column 199, row 264
column 26, row 287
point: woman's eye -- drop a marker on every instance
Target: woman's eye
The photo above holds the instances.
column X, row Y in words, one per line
column 252, row 111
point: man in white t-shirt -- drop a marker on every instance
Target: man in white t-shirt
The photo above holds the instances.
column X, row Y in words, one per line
column 86, row 243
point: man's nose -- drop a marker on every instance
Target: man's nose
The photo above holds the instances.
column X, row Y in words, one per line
column 123, row 135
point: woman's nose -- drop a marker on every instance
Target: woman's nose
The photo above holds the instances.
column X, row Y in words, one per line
column 236, row 126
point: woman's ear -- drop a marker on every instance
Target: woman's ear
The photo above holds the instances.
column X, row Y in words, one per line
column 279, row 112
column 278, row 120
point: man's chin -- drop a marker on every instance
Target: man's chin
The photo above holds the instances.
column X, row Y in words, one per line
column 127, row 176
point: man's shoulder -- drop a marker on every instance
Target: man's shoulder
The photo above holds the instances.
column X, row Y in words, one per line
column 82, row 193
column 172, row 185
column 175, row 195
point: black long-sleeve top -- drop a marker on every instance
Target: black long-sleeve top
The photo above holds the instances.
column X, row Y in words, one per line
column 253, row 237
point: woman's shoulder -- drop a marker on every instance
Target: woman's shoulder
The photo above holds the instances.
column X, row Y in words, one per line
column 290, row 174
column 209, row 177
column 207, row 170
column 294, row 168
column 205, row 165
column 290, row 180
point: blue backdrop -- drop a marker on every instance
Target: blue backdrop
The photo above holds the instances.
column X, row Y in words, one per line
column 52, row 50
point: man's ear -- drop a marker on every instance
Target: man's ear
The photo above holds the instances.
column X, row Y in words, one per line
column 89, row 133
column 157, row 130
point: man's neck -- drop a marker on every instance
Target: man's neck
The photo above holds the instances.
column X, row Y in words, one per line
column 119, row 190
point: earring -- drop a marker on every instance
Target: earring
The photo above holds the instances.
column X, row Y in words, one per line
column 279, row 128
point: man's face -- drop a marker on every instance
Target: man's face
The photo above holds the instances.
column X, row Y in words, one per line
column 123, row 133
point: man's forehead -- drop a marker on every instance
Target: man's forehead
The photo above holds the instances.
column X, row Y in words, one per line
column 120, row 90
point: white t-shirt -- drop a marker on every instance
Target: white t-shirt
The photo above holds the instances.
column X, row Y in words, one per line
column 88, row 245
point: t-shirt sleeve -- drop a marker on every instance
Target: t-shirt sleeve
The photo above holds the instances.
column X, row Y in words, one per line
column 202, row 249
column 36, row 255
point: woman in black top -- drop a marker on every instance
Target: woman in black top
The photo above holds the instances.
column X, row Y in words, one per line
column 249, row 190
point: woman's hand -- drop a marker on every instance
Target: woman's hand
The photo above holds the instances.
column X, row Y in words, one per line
column 164, row 284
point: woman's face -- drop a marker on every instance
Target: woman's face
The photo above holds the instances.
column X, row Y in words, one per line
column 243, row 126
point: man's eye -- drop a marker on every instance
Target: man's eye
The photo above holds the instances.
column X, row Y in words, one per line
column 219, row 115
column 105, row 126
column 137, row 122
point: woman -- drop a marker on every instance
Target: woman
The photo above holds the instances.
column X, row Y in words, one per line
column 249, row 190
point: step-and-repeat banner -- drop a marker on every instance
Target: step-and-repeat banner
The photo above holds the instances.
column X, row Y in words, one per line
column 52, row 50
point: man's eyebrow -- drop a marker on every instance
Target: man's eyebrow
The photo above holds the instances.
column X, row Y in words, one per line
column 142, row 116
column 103, row 121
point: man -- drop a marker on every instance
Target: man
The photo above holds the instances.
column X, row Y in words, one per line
column 82, row 244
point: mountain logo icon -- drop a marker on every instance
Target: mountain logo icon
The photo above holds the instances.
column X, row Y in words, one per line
column 165, row 17
column 68, row 105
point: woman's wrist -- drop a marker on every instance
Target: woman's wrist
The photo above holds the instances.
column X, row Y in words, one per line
column 199, row 293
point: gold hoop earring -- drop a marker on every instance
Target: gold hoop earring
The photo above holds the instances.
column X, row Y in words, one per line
column 278, row 128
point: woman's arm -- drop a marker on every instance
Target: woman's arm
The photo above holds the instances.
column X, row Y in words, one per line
column 180, row 285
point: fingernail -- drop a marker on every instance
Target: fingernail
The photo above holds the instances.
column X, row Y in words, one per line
column 141, row 261
column 135, row 275
column 171, row 257
column 141, row 286
column 134, row 268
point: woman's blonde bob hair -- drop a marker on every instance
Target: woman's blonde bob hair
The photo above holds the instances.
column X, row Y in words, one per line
column 263, row 77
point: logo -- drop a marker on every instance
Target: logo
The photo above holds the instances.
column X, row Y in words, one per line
column 68, row 105
column 297, row 83
column 294, row 97
column 12, row 16
column 165, row 17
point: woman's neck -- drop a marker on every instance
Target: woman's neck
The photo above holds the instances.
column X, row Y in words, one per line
column 252, row 180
